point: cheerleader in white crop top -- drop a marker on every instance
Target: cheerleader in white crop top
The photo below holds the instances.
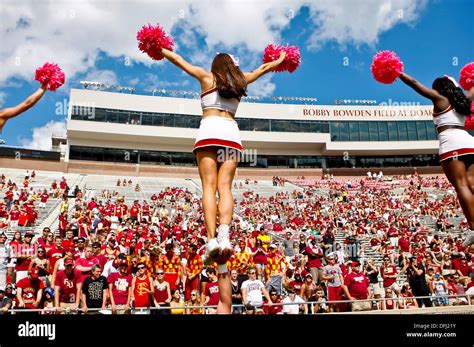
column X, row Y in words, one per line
column 217, row 148
column 456, row 145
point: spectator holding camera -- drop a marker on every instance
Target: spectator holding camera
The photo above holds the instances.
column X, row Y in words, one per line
column 416, row 278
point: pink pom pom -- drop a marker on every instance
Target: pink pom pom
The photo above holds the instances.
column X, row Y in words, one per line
column 152, row 39
column 50, row 76
column 292, row 58
column 386, row 67
column 466, row 76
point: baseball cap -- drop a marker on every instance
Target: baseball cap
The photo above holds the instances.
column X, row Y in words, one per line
column 355, row 263
column 123, row 262
column 34, row 273
column 29, row 234
column 112, row 240
column 273, row 246
column 68, row 261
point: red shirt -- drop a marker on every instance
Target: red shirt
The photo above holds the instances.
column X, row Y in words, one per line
column 29, row 290
column 389, row 270
column 68, row 285
column 212, row 291
column 44, row 197
column 120, row 287
column 86, row 263
column 67, row 243
column 312, row 260
column 357, row 285
column 134, row 211
column 14, row 215
column 404, row 245
column 54, row 254
column 142, row 299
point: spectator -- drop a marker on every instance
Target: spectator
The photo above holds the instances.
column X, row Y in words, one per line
column 293, row 304
column 332, row 274
column 388, row 303
column 275, row 308
column 194, row 301
column 417, row 279
column 42, row 263
column 24, row 254
column 177, row 301
column 320, row 305
column 29, row 290
column 356, row 287
column 408, row 301
column 142, row 290
column 162, row 292
column 4, row 259
column 67, row 287
column 5, row 302
column 120, row 285
column 236, row 292
column 94, row 290
column 288, row 246
column 84, row 265
column 193, row 269
column 389, row 275
column 439, row 287
column 273, row 269
column 211, row 292
column 315, row 255
column 252, row 292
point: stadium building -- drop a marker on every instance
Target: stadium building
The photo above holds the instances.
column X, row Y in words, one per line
column 160, row 130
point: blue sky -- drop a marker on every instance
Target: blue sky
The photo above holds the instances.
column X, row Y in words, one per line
column 96, row 41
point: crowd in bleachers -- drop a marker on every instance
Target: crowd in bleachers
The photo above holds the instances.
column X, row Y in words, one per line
column 336, row 239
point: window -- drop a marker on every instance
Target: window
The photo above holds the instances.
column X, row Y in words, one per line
column 364, row 131
column 373, row 131
column 421, row 131
column 411, row 129
column 334, row 131
column 431, row 131
column 383, row 131
column 344, row 131
column 402, row 131
column 354, row 131
column 392, row 131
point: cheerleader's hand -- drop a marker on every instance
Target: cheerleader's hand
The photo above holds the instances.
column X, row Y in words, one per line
column 282, row 56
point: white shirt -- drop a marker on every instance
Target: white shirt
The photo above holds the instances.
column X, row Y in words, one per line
column 292, row 309
column 254, row 292
column 109, row 269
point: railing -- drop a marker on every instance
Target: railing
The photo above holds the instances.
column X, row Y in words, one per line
column 468, row 297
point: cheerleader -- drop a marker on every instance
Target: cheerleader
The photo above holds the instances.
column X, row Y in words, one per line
column 14, row 111
column 456, row 145
column 218, row 145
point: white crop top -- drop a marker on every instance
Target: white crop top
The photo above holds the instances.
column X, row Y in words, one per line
column 448, row 117
column 212, row 99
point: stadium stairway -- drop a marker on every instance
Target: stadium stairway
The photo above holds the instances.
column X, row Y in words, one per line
column 52, row 219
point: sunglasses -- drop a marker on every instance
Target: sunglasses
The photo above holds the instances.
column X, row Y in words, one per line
column 160, row 273
column 140, row 267
column 251, row 273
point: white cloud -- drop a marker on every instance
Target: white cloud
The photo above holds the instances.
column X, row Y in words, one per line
column 72, row 33
column 359, row 22
column 153, row 81
column 41, row 137
column 103, row 76
column 262, row 87
column 3, row 98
